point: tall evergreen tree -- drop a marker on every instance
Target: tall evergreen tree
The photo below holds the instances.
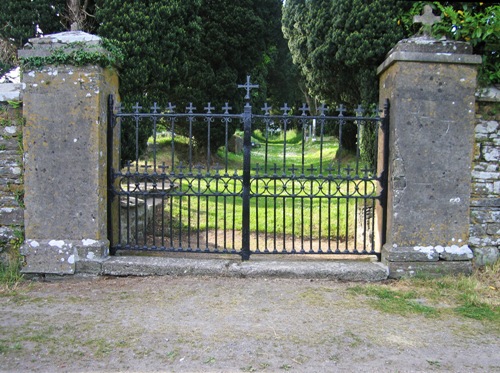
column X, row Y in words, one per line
column 19, row 19
column 196, row 51
column 337, row 44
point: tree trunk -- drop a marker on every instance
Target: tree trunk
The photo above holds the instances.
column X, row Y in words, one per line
column 77, row 14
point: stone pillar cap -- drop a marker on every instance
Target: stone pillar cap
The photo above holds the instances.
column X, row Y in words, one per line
column 428, row 44
column 66, row 38
column 46, row 45
column 427, row 49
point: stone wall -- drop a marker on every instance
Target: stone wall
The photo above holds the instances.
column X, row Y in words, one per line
column 485, row 198
column 11, row 176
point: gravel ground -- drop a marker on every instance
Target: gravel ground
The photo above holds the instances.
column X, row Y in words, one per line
column 187, row 324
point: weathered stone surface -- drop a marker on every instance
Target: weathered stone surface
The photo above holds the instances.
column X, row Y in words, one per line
column 235, row 144
column 11, row 216
column 6, row 234
column 90, row 267
column 429, row 50
column 89, row 249
column 66, row 154
column 147, row 266
column 333, row 270
column 427, row 253
column 432, row 119
column 484, row 256
column 489, row 94
column 409, row 269
column 484, row 241
column 70, row 41
column 395, row 253
column 61, row 256
column 10, row 92
column 485, row 202
column 455, row 253
column 487, row 127
column 49, row 256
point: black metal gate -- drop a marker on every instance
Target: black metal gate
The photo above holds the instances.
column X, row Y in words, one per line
column 283, row 184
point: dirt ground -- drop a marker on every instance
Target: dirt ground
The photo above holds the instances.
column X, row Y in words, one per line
column 186, row 324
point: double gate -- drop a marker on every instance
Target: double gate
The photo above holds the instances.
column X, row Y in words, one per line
column 281, row 184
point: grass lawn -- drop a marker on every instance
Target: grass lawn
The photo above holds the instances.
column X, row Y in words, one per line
column 303, row 189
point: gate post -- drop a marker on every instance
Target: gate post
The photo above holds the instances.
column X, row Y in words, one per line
column 431, row 86
column 66, row 153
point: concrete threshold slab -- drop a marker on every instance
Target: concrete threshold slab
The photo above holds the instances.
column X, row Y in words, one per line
column 316, row 269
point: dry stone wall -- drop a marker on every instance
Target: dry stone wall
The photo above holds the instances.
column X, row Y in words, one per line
column 485, row 198
column 11, row 175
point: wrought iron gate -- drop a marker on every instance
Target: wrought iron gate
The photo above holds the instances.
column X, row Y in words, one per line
column 283, row 184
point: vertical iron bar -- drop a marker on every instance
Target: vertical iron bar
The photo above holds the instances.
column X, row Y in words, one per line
column 247, row 145
column 347, row 201
column 338, row 224
column 266, row 190
column 311, row 210
column 384, row 175
column 111, row 176
column 226, row 176
column 365, row 209
column 163, row 207
column 199, row 210
column 234, row 211
column 329, row 204
column 207, row 210
column 275, row 202
column 293, row 198
column 216, row 228
column 128, row 205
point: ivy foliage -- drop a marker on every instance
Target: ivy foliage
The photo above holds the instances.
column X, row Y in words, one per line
column 77, row 55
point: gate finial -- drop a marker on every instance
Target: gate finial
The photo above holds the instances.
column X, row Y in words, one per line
column 248, row 86
column 427, row 19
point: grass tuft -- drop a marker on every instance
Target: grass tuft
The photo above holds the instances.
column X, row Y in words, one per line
column 394, row 301
column 10, row 277
column 476, row 296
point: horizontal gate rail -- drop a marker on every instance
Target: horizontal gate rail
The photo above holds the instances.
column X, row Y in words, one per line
column 286, row 185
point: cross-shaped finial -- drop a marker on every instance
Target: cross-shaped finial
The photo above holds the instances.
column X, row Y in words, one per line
column 360, row 111
column 136, row 108
column 341, row 110
column 190, row 108
column 427, row 19
column 303, row 109
column 154, row 108
column 248, row 86
column 226, row 108
column 209, row 108
column 266, row 109
column 285, row 109
column 322, row 109
column 170, row 108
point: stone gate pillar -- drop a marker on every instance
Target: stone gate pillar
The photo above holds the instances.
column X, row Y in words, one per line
column 431, row 86
column 65, row 154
